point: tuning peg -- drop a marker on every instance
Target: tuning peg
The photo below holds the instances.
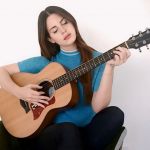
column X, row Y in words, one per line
column 140, row 33
column 147, row 47
column 140, row 50
column 133, row 38
column 147, row 31
column 136, row 45
column 144, row 41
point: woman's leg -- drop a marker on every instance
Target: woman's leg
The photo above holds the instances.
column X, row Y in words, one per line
column 103, row 127
column 61, row 136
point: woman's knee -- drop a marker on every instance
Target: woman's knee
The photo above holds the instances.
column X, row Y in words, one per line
column 70, row 137
column 69, row 129
column 117, row 114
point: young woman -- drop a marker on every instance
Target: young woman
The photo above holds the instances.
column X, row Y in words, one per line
column 91, row 124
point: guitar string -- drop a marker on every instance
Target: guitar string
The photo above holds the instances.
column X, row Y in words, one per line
column 58, row 84
column 61, row 77
column 70, row 73
column 64, row 82
column 87, row 66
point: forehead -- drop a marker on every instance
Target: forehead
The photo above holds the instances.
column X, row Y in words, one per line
column 53, row 20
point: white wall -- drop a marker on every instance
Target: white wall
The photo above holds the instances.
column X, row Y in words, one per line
column 103, row 25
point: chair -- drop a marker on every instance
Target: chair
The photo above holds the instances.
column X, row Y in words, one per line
column 8, row 142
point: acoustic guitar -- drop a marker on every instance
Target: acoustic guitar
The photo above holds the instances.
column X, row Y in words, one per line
column 27, row 120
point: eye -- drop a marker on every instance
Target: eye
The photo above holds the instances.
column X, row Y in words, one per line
column 57, row 29
column 66, row 22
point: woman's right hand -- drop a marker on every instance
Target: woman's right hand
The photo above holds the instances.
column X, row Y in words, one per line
column 28, row 94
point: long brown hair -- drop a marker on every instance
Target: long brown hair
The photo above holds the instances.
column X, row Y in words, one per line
column 49, row 49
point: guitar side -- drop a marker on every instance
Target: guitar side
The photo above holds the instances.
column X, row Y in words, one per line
column 21, row 124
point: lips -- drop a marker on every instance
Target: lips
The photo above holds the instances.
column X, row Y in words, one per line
column 67, row 36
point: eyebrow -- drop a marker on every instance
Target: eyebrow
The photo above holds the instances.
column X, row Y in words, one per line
column 59, row 22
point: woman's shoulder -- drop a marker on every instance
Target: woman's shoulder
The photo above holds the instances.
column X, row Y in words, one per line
column 37, row 58
column 33, row 64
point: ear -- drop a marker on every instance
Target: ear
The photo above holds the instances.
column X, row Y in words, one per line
column 50, row 40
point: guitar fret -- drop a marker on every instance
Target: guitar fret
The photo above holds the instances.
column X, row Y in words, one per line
column 85, row 67
column 99, row 60
column 103, row 57
column 75, row 73
column 57, row 83
column 90, row 65
column 69, row 75
column 60, row 81
column 92, row 62
column 108, row 55
column 79, row 71
column 64, row 79
column 82, row 69
column 54, row 84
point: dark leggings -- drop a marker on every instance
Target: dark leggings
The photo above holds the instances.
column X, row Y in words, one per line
column 67, row 136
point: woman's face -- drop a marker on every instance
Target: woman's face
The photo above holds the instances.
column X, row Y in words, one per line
column 58, row 28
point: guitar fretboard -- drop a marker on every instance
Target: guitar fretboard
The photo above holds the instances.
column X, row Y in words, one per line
column 84, row 68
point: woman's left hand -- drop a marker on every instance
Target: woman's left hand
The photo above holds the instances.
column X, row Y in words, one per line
column 121, row 56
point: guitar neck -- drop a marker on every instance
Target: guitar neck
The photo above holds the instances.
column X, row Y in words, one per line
column 85, row 67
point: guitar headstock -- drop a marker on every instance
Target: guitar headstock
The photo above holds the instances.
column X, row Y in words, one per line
column 139, row 40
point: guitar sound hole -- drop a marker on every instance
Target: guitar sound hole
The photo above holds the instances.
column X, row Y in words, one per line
column 47, row 87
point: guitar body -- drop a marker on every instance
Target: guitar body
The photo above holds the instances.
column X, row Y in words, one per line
column 29, row 124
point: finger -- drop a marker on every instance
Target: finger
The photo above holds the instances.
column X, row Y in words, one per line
column 38, row 100
column 38, row 93
column 39, row 104
column 122, row 49
column 41, row 101
column 120, row 55
column 117, row 60
column 34, row 86
column 128, row 53
column 40, row 97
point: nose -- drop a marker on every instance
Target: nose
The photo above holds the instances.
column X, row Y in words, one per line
column 62, row 29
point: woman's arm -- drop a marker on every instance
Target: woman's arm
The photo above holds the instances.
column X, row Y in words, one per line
column 5, row 80
column 25, row 93
column 102, row 97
